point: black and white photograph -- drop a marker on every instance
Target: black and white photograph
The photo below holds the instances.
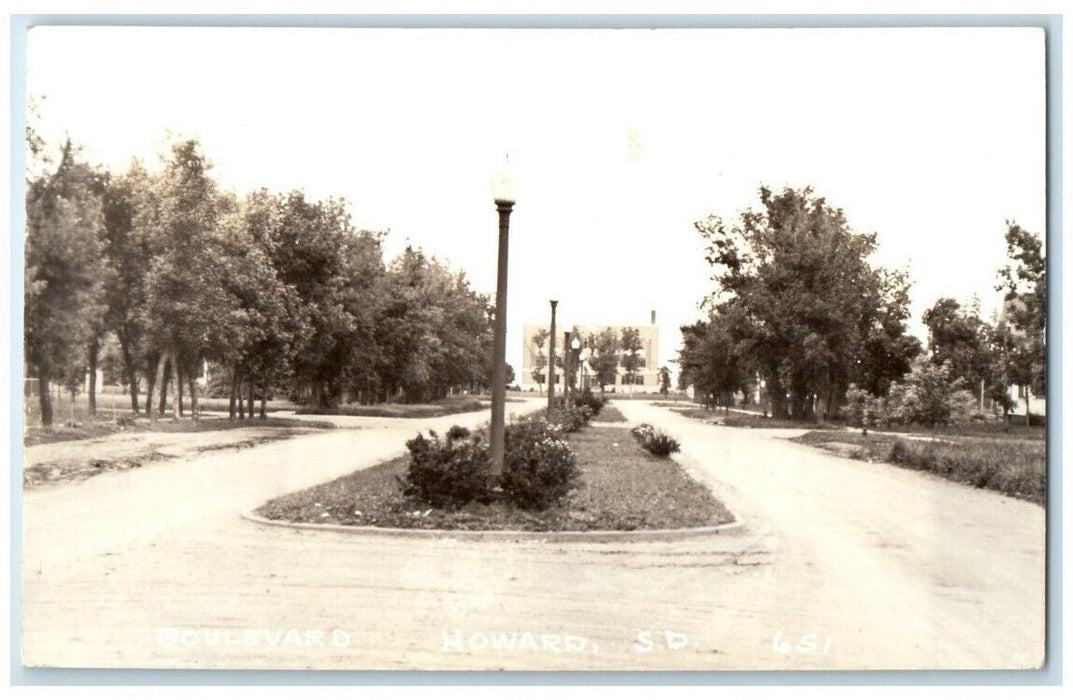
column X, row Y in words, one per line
column 533, row 349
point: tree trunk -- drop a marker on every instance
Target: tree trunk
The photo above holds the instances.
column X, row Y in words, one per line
column 238, row 394
column 776, row 394
column 179, row 388
column 264, row 400
column 1028, row 408
column 800, row 400
column 249, row 386
column 164, row 381
column 176, row 406
column 193, row 396
column 151, row 381
column 44, row 391
column 156, row 385
column 234, row 390
column 128, row 369
column 94, row 353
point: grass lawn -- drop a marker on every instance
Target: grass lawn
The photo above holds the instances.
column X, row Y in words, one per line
column 609, row 414
column 743, row 420
column 103, row 426
column 622, row 488
column 1011, row 465
column 444, row 407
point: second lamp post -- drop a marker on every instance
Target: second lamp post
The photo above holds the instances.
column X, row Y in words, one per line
column 551, row 361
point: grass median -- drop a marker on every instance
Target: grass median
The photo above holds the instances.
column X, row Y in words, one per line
column 622, row 488
column 609, row 414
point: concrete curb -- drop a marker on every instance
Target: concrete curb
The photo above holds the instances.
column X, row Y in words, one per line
column 670, row 535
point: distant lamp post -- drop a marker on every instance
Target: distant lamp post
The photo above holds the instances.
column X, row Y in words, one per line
column 629, row 375
column 575, row 346
column 594, row 358
column 582, row 359
column 551, row 360
column 505, row 194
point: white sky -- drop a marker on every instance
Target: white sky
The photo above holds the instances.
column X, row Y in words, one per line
column 931, row 138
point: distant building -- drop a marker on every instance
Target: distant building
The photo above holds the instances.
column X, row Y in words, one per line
column 645, row 378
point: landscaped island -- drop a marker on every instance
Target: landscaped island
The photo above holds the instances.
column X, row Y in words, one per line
column 618, row 486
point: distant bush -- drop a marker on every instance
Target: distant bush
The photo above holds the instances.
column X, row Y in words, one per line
column 572, row 418
column 862, row 409
column 539, row 468
column 594, row 402
column 928, row 395
column 449, row 472
column 655, row 440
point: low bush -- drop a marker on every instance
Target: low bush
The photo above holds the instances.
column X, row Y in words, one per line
column 449, row 472
column 655, row 440
column 594, row 403
column 862, row 409
column 572, row 418
column 539, row 468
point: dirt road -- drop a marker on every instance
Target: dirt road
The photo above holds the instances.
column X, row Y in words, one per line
column 844, row 565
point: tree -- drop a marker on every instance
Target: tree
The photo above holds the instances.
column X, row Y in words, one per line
column 190, row 309
column 1007, row 367
column 888, row 351
column 1024, row 281
column 664, row 380
column 436, row 331
column 808, row 300
column 127, row 258
column 509, row 374
column 62, row 276
column 540, row 358
column 957, row 336
column 335, row 291
column 604, row 356
column 710, row 358
column 632, row 359
column 256, row 340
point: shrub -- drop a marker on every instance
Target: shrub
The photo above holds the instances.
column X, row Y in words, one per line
column 449, row 472
column 929, row 395
column 594, row 403
column 572, row 418
column 862, row 409
column 539, row 468
column 654, row 440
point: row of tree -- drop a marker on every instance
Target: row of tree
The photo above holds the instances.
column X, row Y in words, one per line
column 799, row 307
column 276, row 293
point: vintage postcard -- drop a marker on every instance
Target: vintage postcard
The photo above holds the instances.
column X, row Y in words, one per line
column 682, row 349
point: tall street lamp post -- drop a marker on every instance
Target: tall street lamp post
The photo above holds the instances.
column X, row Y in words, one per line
column 551, row 361
column 504, row 192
